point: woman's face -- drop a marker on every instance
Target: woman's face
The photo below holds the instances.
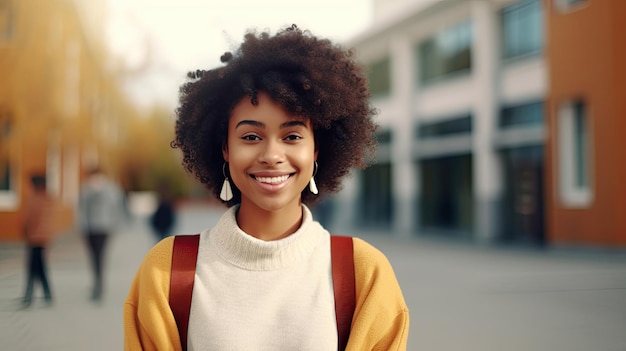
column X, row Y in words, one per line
column 270, row 154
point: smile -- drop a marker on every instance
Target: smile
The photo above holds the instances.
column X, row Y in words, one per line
column 273, row 180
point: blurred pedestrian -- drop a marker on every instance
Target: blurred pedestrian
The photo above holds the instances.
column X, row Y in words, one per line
column 164, row 217
column 101, row 213
column 285, row 119
column 39, row 227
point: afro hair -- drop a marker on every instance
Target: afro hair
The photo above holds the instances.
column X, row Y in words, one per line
column 311, row 77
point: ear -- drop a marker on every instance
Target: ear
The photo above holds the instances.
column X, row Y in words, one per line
column 315, row 155
column 225, row 151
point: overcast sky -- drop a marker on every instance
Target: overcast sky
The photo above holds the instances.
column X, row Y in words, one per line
column 176, row 36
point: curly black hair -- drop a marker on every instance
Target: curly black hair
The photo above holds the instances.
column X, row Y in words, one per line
column 310, row 76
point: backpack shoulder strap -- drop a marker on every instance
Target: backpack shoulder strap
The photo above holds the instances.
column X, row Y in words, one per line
column 342, row 259
column 184, row 256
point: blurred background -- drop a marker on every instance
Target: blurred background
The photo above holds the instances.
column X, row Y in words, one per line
column 501, row 126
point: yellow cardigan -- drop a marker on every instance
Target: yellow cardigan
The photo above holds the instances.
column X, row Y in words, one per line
column 380, row 322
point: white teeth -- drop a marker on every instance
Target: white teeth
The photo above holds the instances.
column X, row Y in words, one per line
column 272, row 180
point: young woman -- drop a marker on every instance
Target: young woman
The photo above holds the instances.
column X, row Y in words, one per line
column 284, row 120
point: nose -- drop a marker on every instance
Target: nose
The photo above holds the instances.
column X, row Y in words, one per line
column 272, row 153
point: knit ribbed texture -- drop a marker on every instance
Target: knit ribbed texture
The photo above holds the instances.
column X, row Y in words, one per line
column 245, row 251
column 252, row 294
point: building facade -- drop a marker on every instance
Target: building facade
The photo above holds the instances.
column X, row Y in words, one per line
column 60, row 109
column 468, row 93
column 587, row 110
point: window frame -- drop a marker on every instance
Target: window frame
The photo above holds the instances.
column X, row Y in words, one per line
column 521, row 115
column 511, row 19
column 436, row 57
column 575, row 155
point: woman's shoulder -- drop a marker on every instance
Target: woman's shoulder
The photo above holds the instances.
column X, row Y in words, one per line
column 374, row 273
column 367, row 253
column 160, row 255
column 369, row 261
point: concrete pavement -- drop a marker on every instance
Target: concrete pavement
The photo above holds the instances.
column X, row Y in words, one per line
column 474, row 298
column 461, row 297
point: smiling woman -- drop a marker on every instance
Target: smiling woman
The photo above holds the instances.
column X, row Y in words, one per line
column 270, row 154
column 287, row 117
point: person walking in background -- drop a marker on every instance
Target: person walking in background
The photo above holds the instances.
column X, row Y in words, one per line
column 101, row 213
column 164, row 217
column 39, row 227
column 280, row 124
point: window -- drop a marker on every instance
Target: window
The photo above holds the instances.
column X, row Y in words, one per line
column 383, row 151
column 447, row 200
column 384, row 136
column 5, row 175
column 530, row 114
column 569, row 5
column 379, row 77
column 522, row 29
column 575, row 154
column 447, row 52
column 5, row 169
column 453, row 126
column 376, row 205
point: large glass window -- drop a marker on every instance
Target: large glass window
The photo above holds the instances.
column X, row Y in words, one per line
column 379, row 76
column 376, row 206
column 447, row 203
column 522, row 29
column 575, row 154
column 530, row 114
column 383, row 136
column 451, row 126
column 447, row 52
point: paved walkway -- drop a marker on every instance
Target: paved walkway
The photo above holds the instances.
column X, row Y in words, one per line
column 74, row 322
column 461, row 297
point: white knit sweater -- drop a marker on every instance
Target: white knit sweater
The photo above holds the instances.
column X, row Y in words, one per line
column 251, row 294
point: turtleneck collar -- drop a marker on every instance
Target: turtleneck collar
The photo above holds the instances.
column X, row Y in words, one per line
column 243, row 250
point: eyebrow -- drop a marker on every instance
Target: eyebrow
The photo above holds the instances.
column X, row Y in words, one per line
column 288, row 124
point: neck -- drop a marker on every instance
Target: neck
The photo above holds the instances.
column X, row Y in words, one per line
column 269, row 225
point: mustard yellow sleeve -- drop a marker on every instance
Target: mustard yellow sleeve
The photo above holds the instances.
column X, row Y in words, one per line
column 381, row 316
column 148, row 320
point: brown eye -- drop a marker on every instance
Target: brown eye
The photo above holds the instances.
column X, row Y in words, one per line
column 251, row 137
column 293, row 137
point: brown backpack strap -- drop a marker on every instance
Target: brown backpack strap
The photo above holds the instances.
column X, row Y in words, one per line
column 184, row 256
column 342, row 258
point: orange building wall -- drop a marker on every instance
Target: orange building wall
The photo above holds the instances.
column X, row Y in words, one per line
column 584, row 55
column 618, row 22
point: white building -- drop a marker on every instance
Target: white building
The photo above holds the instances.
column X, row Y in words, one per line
column 460, row 86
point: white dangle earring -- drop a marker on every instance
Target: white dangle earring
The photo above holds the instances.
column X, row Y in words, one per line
column 312, row 185
column 226, row 193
